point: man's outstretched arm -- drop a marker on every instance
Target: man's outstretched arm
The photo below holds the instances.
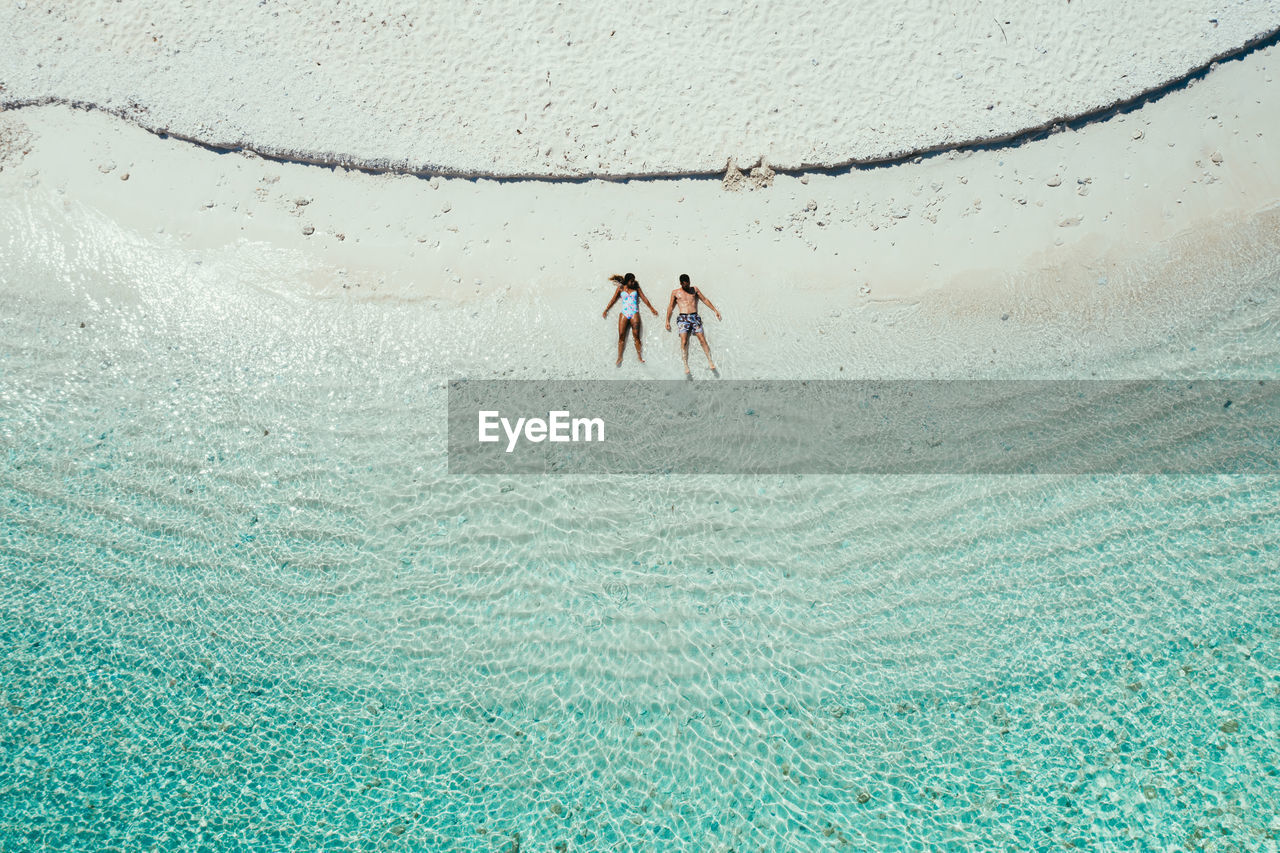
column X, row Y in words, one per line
column 710, row 305
column 671, row 304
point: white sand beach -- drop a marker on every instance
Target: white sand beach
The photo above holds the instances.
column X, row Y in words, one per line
column 1044, row 254
column 514, row 89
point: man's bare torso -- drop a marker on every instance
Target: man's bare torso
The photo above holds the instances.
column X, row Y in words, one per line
column 686, row 303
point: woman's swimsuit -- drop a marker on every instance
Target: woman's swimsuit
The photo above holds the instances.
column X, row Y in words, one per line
column 630, row 303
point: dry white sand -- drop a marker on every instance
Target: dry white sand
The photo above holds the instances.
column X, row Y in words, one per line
column 1044, row 256
column 520, row 88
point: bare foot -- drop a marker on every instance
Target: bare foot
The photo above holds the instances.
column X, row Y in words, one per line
column 639, row 359
column 618, row 363
column 715, row 371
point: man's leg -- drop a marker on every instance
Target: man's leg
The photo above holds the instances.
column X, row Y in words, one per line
column 702, row 339
column 684, row 351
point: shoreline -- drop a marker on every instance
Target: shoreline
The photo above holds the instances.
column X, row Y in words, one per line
column 1123, row 230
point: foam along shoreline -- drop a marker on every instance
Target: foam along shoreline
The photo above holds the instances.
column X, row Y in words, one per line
column 965, row 263
column 653, row 90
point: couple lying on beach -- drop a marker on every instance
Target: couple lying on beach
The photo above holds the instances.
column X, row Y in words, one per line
column 686, row 297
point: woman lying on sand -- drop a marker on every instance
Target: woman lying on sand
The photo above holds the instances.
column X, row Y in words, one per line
column 630, row 294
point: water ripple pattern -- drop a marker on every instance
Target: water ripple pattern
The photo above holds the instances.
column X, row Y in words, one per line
column 242, row 605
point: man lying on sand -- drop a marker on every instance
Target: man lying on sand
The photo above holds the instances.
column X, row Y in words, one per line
column 686, row 296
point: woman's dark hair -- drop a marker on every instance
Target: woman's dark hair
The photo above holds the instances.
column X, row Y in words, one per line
column 628, row 280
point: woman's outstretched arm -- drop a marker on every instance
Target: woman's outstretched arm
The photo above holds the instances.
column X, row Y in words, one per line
column 616, row 292
column 646, row 300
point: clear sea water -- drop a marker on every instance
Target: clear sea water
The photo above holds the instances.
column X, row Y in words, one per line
column 243, row 606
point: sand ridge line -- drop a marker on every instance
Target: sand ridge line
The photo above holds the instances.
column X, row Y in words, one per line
column 386, row 166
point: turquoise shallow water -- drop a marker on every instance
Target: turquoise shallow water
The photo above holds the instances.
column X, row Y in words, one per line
column 243, row 606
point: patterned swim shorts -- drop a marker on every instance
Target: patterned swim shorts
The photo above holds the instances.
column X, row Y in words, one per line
column 689, row 324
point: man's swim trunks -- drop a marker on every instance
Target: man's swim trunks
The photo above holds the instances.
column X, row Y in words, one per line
column 689, row 324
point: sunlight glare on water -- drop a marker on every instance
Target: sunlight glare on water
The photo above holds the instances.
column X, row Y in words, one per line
column 243, row 604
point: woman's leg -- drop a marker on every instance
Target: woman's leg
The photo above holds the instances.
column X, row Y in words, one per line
column 622, row 336
column 635, row 333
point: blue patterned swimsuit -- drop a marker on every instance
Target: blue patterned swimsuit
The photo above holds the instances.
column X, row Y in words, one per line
column 630, row 301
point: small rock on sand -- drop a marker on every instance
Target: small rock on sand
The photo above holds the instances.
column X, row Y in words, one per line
column 308, row 230
column 1216, row 157
column 125, row 176
column 1055, row 181
column 1070, row 221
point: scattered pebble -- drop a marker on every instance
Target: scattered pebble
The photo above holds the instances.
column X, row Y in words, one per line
column 302, row 202
column 104, row 168
column 308, row 230
column 811, row 205
column 1070, row 221
column 804, row 179
column 1055, row 181
column 1137, row 134
column 125, row 176
column 1216, row 158
column 446, row 207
